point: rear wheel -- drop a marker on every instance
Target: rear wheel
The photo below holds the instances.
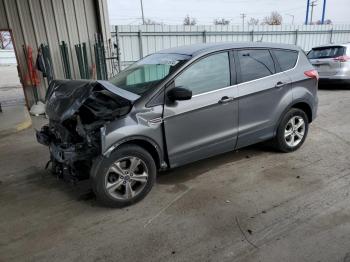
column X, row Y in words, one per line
column 125, row 177
column 292, row 130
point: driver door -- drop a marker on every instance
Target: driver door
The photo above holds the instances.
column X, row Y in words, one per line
column 205, row 125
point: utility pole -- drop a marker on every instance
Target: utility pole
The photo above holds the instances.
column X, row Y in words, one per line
column 243, row 16
column 292, row 16
column 143, row 17
column 313, row 4
column 307, row 12
column 323, row 11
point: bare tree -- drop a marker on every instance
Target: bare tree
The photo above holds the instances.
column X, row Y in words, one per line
column 221, row 21
column 5, row 40
column 274, row 18
column 149, row 21
column 326, row 22
column 253, row 21
column 190, row 20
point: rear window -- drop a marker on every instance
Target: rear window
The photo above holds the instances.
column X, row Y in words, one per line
column 286, row 58
column 326, row 52
column 255, row 64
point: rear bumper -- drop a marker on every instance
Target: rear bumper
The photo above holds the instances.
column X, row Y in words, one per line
column 342, row 74
column 342, row 77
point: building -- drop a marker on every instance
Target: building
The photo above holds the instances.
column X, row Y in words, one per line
column 49, row 22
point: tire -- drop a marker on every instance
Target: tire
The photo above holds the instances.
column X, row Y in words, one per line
column 288, row 143
column 120, row 180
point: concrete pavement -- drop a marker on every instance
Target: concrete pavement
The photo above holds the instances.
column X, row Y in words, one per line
column 250, row 205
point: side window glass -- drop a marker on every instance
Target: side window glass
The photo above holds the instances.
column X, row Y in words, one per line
column 148, row 73
column 208, row 74
column 255, row 64
column 286, row 58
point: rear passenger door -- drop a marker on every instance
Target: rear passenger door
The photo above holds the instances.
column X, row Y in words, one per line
column 264, row 92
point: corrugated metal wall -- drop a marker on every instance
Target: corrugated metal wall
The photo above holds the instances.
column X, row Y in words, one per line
column 34, row 22
column 138, row 41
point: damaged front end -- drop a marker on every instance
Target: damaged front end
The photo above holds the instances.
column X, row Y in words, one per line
column 78, row 112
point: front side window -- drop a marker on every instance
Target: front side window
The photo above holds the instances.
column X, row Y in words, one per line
column 208, row 74
column 255, row 64
column 148, row 72
column 286, row 58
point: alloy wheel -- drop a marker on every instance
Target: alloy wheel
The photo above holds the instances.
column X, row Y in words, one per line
column 126, row 178
column 294, row 131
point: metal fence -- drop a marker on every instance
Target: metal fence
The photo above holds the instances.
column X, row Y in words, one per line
column 134, row 42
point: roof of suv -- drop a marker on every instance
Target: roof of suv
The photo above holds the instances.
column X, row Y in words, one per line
column 331, row 45
column 197, row 49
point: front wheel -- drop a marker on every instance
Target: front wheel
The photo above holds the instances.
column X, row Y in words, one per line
column 125, row 177
column 292, row 130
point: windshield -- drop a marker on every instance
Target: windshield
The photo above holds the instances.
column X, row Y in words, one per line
column 148, row 72
column 326, row 52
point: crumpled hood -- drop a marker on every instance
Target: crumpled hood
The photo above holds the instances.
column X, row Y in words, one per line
column 65, row 97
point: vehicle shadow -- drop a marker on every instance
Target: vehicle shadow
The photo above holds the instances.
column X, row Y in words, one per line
column 82, row 191
column 190, row 171
column 333, row 86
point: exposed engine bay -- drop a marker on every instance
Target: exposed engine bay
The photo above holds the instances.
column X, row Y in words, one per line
column 77, row 112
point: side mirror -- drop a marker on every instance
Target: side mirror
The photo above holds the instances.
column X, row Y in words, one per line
column 179, row 93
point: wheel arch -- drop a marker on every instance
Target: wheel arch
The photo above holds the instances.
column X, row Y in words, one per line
column 144, row 142
column 299, row 104
column 304, row 106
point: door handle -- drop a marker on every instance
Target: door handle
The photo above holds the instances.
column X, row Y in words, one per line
column 226, row 99
column 280, row 84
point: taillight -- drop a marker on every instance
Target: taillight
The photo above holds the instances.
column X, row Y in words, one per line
column 343, row 58
column 312, row 74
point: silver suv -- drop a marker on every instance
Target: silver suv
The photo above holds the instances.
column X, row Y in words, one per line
column 332, row 62
column 174, row 107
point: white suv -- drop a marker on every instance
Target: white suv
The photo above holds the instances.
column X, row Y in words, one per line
column 332, row 62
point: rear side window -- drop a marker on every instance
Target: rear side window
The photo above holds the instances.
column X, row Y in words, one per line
column 208, row 74
column 326, row 52
column 286, row 58
column 255, row 64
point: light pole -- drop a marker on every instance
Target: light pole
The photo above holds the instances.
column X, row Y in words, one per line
column 323, row 11
column 143, row 17
column 292, row 18
column 243, row 15
column 307, row 12
column 313, row 4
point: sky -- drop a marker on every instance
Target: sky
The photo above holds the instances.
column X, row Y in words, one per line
column 205, row 11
